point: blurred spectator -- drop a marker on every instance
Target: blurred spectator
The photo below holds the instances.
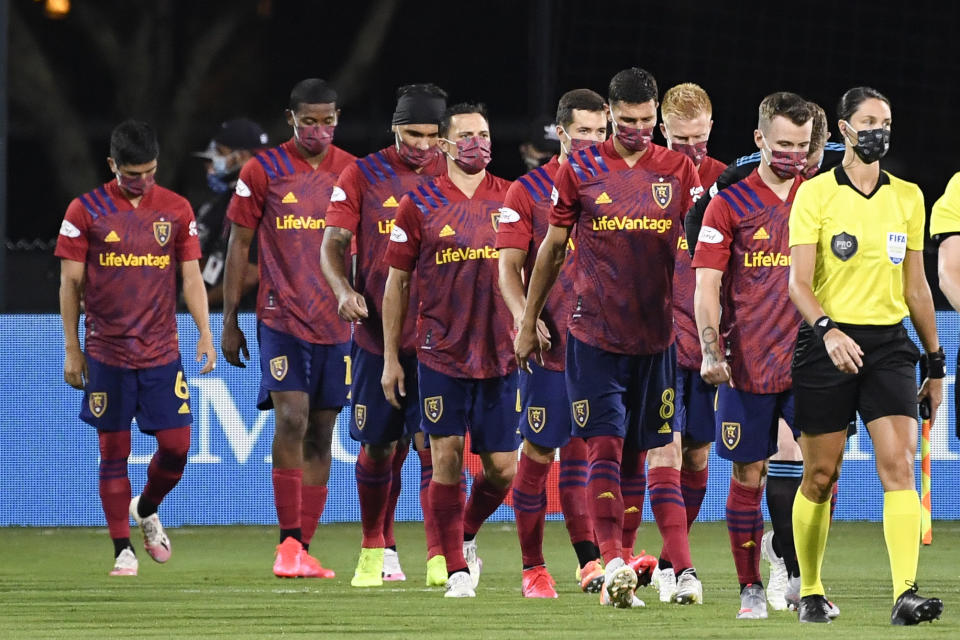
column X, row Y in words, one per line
column 540, row 144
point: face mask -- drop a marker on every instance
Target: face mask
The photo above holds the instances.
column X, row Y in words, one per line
column 633, row 139
column 135, row 186
column 696, row 152
column 217, row 184
column 576, row 144
column 872, row 144
column 809, row 172
column 473, row 154
column 219, row 164
column 313, row 138
column 785, row 164
column 414, row 156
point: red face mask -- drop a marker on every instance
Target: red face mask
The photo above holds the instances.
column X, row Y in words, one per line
column 809, row 172
column 696, row 152
column 414, row 156
column 314, row 138
column 785, row 164
column 136, row 187
column 473, row 154
column 576, row 144
column 633, row 139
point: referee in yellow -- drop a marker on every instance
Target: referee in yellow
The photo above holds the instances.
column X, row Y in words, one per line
column 945, row 229
column 856, row 238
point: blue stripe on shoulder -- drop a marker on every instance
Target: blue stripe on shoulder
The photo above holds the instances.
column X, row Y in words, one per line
column 426, row 196
column 437, row 193
column 730, row 201
column 598, row 158
column 266, row 166
column 275, row 159
column 372, row 165
column 585, row 161
column 386, row 165
column 540, row 171
column 737, row 191
column 366, row 172
column 753, row 158
column 577, row 169
column 286, row 160
column 106, row 198
column 419, row 203
column 531, row 190
column 753, row 194
column 88, row 204
column 543, row 187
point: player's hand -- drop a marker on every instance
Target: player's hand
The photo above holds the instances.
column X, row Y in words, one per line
column 847, row 356
column 525, row 344
column 75, row 370
column 715, row 371
column 931, row 391
column 205, row 349
column 392, row 381
column 543, row 335
column 352, row 307
column 233, row 343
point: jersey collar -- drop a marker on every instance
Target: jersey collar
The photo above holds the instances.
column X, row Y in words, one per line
column 843, row 179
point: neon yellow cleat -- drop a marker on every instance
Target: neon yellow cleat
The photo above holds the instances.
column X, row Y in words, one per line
column 369, row 571
column 437, row 571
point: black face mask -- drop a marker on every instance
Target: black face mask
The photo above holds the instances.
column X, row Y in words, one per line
column 872, row 144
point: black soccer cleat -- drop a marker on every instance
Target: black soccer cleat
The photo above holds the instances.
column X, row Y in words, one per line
column 814, row 609
column 912, row 608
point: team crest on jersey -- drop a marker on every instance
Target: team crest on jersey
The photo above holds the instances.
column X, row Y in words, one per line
column 536, row 418
column 731, row 434
column 662, row 193
column 161, row 231
column 495, row 220
column 98, row 403
column 581, row 412
column 360, row 414
column 433, row 408
column 279, row 368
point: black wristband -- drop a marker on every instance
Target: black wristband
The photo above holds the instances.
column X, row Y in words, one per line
column 822, row 325
column 935, row 363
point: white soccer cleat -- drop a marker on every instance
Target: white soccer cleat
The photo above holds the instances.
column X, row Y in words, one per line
column 460, row 585
column 753, row 603
column 473, row 562
column 667, row 584
column 619, row 584
column 155, row 539
column 778, row 584
column 391, row 567
column 126, row 564
column 792, row 596
column 689, row 588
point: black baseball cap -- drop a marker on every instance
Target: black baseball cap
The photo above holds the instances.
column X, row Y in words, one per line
column 543, row 135
column 239, row 133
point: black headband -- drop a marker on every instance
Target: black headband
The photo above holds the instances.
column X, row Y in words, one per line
column 419, row 108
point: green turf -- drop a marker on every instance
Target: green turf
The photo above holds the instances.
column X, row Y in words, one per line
column 53, row 584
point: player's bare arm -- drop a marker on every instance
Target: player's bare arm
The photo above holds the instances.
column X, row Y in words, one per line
column 233, row 342
column 844, row 352
column 71, row 288
column 919, row 301
column 396, row 298
column 706, row 307
column 195, row 295
column 948, row 269
column 351, row 306
column 510, row 279
column 550, row 257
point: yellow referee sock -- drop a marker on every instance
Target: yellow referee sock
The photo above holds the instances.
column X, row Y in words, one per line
column 811, row 522
column 901, row 530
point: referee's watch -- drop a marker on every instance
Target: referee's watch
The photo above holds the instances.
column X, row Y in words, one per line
column 934, row 363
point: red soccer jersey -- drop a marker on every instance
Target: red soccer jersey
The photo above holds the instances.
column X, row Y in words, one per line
column 745, row 235
column 463, row 325
column 365, row 201
column 628, row 220
column 685, row 282
column 286, row 199
column 523, row 225
column 131, row 257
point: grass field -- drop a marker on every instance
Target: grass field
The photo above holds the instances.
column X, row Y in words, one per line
column 53, row 584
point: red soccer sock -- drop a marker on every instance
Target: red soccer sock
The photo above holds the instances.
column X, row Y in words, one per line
column 603, row 491
column 166, row 466
column 745, row 525
column 573, row 491
column 396, row 483
column 447, row 507
column 286, row 497
column 430, row 528
column 633, row 485
column 373, row 489
column 485, row 497
column 313, row 498
column 114, row 484
column 693, row 486
column 530, row 508
column 669, row 512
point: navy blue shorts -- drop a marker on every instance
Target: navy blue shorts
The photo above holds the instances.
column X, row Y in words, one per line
column 544, row 408
column 158, row 397
column 748, row 423
column 288, row 363
column 627, row 396
column 487, row 408
column 695, row 402
column 374, row 420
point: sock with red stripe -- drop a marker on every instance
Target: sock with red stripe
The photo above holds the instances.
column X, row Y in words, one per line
column 287, row 485
column 373, row 489
column 745, row 526
column 633, row 486
column 446, row 505
column 530, row 508
column 603, row 492
column 114, row 485
column 693, row 487
column 669, row 512
column 399, row 457
column 313, row 498
column 485, row 497
column 166, row 468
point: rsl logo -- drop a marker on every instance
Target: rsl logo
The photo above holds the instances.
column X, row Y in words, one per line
column 731, row 434
column 662, row 193
column 581, row 412
column 433, row 408
column 360, row 414
column 495, row 220
column 161, row 232
column 97, row 403
column 279, row 368
column 536, row 418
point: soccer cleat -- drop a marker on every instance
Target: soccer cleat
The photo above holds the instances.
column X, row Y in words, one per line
column 777, row 584
column 391, row 567
column 473, row 562
column 310, row 567
column 635, row 602
column 591, row 577
column 369, row 571
column 155, row 539
column 813, row 609
column 912, row 608
column 833, row 611
column 619, row 582
column 538, row 583
column 644, row 564
column 460, row 585
column 753, row 603
column 792, row 594
column 437, row 571
column 126, row 564
column 667, row 585
column 287, row 561
column 689, row 588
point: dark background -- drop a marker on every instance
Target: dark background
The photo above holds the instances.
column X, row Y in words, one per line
column 187, row 66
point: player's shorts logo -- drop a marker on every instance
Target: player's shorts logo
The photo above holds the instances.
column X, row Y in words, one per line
column 98, row 403
column 495, row 220
column 731, row 434
column 161, row 231
column 536, row 418
column 581, row 412
column 662, row 193
column 433, row 408
column 360, row 415
column 279, row 368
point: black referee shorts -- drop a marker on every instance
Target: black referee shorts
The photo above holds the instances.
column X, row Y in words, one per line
column 827, row 400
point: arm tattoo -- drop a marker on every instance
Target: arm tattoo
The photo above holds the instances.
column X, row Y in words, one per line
column 711, row 345
column 340, row 236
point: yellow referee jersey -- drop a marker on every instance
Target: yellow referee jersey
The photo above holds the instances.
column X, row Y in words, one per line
column 945, row 217
column 862, row 240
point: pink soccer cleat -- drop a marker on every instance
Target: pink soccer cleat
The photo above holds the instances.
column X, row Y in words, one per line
column 126, row 564
column 643, row 564
column 538, row 583
column 392, row 572
column 287, row 561
column 155, row 539
column 310, row 567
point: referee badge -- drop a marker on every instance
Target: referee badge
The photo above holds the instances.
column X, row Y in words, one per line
column 536, row 418
column 844, row 245
column 360, row 415
column 278, row 368
column 731, row 434
column 433, row 408
column 581, row 412
column 98, row 403
column 896, row 247
column 662, row 193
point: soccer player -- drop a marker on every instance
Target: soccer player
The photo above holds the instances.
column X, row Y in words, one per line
column 363, row 207
column 626, row 199
column 742, row 307
column 121, row 246
column 545, row 411
column 856, row 239
column 686, row 114
column 446, row 230
column 944, row 225
column 282, row 195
